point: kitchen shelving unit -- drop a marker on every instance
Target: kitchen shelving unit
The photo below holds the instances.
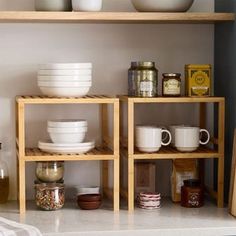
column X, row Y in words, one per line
column 108, row 151
column 168, row 153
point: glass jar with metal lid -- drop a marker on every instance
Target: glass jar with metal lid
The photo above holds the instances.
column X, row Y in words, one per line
column 143, row 79
column 171, row 84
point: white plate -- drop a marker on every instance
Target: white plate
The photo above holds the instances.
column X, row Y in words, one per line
column 65, row 72
column 67, row 123
column 65, row 66
column 65, row 145
column 80, row 148
column 66, row 78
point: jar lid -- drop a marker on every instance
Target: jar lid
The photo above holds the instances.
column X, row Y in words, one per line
column 171, row 74
column 192, row 183
column 143, row 63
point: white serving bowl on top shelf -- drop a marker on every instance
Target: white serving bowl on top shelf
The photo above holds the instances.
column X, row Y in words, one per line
column 63, row 84
column 86, row 5
column 162, row 5
column 65, row 66
column 67, row 135
column 83, row 72
column 66, row 78
column 67, row 123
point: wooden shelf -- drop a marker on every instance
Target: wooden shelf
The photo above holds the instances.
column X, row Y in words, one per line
column 97, row 154
column 113, row 17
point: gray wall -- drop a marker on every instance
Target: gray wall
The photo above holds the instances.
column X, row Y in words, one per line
column 225, row 77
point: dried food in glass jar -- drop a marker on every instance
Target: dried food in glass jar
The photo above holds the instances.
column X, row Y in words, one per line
column 171, row 84
column 143, row 79
column 50, row 171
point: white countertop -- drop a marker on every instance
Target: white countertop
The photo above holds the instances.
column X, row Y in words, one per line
column 171, row 219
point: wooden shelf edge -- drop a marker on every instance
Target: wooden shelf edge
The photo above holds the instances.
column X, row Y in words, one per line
column 114, row 17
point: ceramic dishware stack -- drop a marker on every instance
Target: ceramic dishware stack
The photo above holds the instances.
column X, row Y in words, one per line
column 149, row 201
column 68, row 137
column 65, row 79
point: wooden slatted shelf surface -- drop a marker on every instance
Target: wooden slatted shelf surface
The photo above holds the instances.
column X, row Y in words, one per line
column 114, row 17
column 93, row 99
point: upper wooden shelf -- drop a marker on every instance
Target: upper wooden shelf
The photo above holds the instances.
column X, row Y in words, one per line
column 113, row 17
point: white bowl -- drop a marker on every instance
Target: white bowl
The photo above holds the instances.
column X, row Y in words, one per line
column 67, row 137
column 87, row 190
column 162, row 5
column 66, row 130
column 65, row 78
column 53, row 5
column 64, row 84
column 87, row 72
column 86, row 5
column 65, row 66
column 65, row 92
column 67, row 123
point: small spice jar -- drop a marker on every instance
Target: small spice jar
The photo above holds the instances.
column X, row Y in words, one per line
column 171, row 85
column 143, row 79
column 192, row 194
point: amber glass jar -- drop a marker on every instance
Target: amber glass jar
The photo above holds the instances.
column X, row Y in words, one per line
column 192, row 194
column 171, row 85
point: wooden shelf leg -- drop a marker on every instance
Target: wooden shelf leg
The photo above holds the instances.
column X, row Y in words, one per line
column 130, row 184
column 22, row 186
column 116, row 188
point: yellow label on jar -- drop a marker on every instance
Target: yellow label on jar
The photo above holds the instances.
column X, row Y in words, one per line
column 171, row 87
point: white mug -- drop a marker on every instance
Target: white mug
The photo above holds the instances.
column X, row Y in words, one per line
column 187, row 139
column 149, row 138
column 172, row 131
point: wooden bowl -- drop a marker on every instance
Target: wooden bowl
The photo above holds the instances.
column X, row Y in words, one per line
column 89, row 205
column 89, row 197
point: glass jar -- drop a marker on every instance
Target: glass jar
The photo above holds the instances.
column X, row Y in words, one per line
column 143, row 79
column 192, row 194
column 50, row 171
column 4, row 179
column 50, row 196
column 171, row 85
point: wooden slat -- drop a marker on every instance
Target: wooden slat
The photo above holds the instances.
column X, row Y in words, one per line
column 114, row 17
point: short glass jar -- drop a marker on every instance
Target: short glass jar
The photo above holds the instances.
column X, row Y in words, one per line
column 192, row 194
column 50, row 196
column 143, row 79
column 171, row 85
column 50, row 171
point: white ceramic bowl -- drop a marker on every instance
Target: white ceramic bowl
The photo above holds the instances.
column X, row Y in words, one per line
column 64, row 84
column 65, row 66
column 87, row 190
column 87, row 72
column 65, row 92
column 86, row 5
column 162, row 5
column 67, row 123
column 65, row 78
column 53, row 5
column 66, row 130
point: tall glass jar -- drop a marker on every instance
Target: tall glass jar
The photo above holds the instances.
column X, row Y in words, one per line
column 143, row 79
column 4, row 179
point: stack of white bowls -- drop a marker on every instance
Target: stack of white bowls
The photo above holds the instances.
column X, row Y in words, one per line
column 67, row 137
column 65, row 79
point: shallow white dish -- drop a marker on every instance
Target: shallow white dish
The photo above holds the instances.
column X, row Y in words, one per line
column 65, row 145
column 87, row 190
column 65, row 78
column 65, row 72
column 162, row 5
column 86, row 5
column 65, row 92
column 148, row 149
column 65, row 66
column 67, row 123
column 64, row 84
column 79, row 149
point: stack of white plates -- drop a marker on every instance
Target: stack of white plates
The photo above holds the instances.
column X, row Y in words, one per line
column 67, row 137
column 65, row 79
column 149, row 201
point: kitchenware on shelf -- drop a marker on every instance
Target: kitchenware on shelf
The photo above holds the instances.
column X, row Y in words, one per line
column 86, row 5
column 78, row 72
column 67, row 135
column 65, row 66
column 89, row 201
column 50, row 196
column 149, row 201
column 4, row 179
column 63, row 84
column 149, row 138
column 65, row 78
column 49, row 171
column 81, row 190
column 162, row 5
column 66, row 148
column 53, row 5
column 171, row 85
column 67, row 123
column 172, row 128
column 188, row 139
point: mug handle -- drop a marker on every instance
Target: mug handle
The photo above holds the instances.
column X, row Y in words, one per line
column 208, row 137
column 168, row 134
